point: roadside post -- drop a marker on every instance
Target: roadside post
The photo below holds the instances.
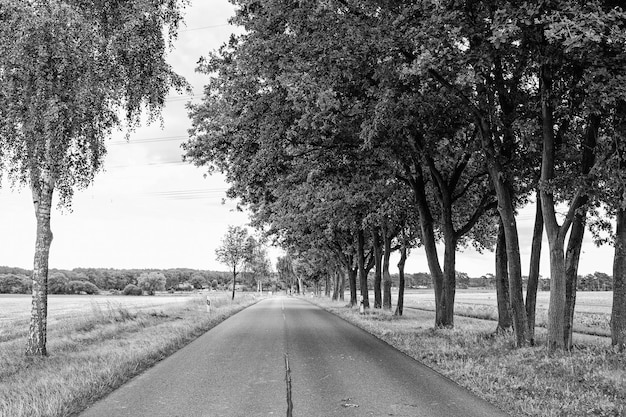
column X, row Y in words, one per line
column 361, row 306
column 208, row 304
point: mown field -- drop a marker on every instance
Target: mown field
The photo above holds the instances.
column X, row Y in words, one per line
column 586, row 301
column 17, row 306
column 591, row 316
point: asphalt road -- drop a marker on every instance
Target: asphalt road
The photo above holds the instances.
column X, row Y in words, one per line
column 286, row 348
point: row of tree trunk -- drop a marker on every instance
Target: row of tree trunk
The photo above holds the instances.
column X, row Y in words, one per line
column 563, row 328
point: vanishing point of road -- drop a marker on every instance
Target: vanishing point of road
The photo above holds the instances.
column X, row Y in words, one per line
column 287, row 357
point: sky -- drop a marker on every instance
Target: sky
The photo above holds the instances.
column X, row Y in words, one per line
column 148, row 209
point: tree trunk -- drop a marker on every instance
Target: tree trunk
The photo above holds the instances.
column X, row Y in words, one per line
column 556, row 310
column 403, row 256
column 37, row 334
column 327, row 285
column 362, row 269
column 533, row 274
column 378, row 258
column 574, row 245
column 352, row 274
column 386, row 274
column 347, row 260
column 618, row 312
column 572, row 256
column 234, row 281
column 556, row 238
column 449, row 278
column 505, row 322
column 506, row 210
column 430, row 248
column 336, row 279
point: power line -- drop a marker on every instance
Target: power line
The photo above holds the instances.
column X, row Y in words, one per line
column 188, row 192
column 174, row 99
column 204, row 27
column 148, row 140
column 198, row 194
column 148, row 164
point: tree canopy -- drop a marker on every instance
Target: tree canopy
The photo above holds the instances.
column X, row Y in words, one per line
column 322, row 113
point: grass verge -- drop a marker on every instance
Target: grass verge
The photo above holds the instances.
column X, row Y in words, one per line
column 92, row 354
column 589, row 381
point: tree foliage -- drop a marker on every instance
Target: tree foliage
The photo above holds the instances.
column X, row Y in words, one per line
column 151, row 282
column 324, row 115
column 235, row 250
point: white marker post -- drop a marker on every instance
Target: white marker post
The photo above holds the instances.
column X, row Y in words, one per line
column 208, row 304
column 361, row 306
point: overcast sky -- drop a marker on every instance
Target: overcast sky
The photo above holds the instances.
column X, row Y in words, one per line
column 151, row 210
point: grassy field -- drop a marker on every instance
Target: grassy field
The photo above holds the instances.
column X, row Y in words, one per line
column 591, row 316
column 589, row 381
column 95, row 344
column 586, row 301
column 15, row 309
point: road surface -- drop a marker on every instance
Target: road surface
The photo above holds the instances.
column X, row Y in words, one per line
column 284, row 355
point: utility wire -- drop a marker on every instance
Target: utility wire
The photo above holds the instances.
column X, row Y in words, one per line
column 204, row 27
column 148, row 164
column 148, row 140
column 181, row 98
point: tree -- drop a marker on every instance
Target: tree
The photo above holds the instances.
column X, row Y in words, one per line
column 132, row 289
column 67, row 69
column 234, row 251
column 580, row 50
column 79, row 287
column 258, row 263
column 198, row 280
column 57, row 283
column 484, row 68
column 615, row 198
column 151, row 282
column 13, row 284
column 286, row 274
column 426, row 138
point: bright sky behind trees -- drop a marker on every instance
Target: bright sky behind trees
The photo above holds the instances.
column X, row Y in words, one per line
column 148, row 209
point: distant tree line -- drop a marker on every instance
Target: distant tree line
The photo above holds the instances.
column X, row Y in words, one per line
column 598, row 281
column 94, row 280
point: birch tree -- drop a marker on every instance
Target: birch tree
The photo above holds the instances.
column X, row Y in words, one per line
column 68, row 69
column 235, row 251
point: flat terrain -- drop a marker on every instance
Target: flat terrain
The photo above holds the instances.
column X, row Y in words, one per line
column 599, row 302
column 15, row 307
column 285, row 350
column 66, row 309
column 18, row 306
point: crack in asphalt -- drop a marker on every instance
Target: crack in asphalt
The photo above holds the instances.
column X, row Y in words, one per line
column 288, row 382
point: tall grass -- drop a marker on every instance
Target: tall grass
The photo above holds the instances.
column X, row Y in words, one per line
column 589, row 381
column 93, row 353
